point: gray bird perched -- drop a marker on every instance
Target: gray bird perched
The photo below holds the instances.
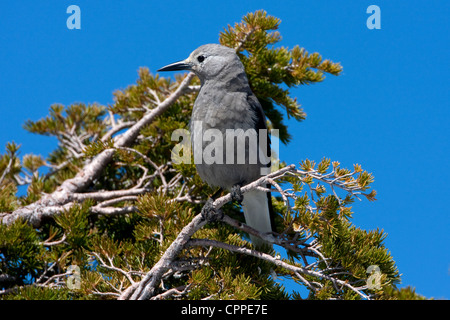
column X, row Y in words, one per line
column 227, row 109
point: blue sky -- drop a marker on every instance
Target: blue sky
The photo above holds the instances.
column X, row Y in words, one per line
column 388, row 111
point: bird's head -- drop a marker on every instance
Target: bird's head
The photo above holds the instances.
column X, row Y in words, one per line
column 209, row 62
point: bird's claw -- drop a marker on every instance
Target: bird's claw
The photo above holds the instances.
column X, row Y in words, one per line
column 236, row 193
column 210, row 213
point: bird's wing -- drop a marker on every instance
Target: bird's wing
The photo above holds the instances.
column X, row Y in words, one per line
column 257, row 205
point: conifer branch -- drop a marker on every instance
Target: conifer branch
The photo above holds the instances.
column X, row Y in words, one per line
column 280, row 263
column 131, row 134
column 53, row 204
column 147, row 287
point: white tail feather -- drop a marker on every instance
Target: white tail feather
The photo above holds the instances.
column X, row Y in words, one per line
column 257, row 214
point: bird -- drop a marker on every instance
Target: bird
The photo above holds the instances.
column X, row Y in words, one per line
column 226, row 107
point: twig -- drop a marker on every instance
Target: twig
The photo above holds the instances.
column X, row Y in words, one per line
column 54, row 243
column 275, row 261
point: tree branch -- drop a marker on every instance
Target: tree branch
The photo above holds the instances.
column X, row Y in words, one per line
column 64, row 194
column 147, row 287
column 278, row 262
column 149, row 284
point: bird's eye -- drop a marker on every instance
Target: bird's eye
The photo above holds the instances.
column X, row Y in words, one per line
column 200, row 59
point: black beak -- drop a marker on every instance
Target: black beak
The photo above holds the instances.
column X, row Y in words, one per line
column 180, row 65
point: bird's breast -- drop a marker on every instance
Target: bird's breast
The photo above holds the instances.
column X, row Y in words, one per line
column 223, row 110
column 216, row 118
